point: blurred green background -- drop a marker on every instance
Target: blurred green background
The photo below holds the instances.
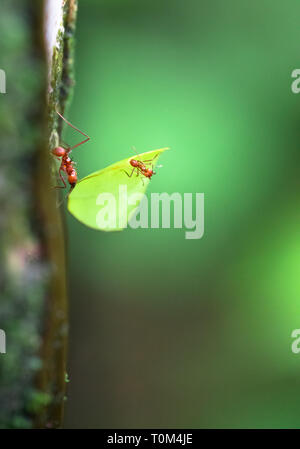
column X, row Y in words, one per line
column 168, row 332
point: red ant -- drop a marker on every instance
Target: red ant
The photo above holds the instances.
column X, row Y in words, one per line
column 141, row 168
column 67, row 164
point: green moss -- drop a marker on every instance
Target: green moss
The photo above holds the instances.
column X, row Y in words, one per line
column 37, row 401
column 68, row 80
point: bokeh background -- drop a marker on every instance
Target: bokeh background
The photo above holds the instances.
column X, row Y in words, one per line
column 169, row 332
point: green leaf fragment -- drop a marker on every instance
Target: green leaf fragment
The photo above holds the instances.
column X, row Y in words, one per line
column 105, row 200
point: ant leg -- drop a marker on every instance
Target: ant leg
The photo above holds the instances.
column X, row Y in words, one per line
column 76, row 129
column 61, row 177
column 129, row 176
column 143, row 177
column 78, row 144
column 72, row 126
column 150, row 160
column 65, row 197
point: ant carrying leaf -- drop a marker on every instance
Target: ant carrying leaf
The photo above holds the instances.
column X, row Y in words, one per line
column 83, row 201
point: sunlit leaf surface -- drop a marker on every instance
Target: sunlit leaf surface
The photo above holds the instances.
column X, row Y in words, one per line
column 99, row 200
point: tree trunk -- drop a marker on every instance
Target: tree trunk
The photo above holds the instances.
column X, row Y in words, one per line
column 33, row 308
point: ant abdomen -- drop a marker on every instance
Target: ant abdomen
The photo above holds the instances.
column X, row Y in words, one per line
column 72, row 178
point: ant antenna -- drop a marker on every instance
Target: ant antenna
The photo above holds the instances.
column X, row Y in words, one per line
column 134, row 151
column 76, row 129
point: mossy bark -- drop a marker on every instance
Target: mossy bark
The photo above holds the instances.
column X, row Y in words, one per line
column 33, row 307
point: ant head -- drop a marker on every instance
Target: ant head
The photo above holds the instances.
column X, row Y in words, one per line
column 59, row 151
column 134, row 163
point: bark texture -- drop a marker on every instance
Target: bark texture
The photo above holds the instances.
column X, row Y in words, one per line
column 33, row 307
